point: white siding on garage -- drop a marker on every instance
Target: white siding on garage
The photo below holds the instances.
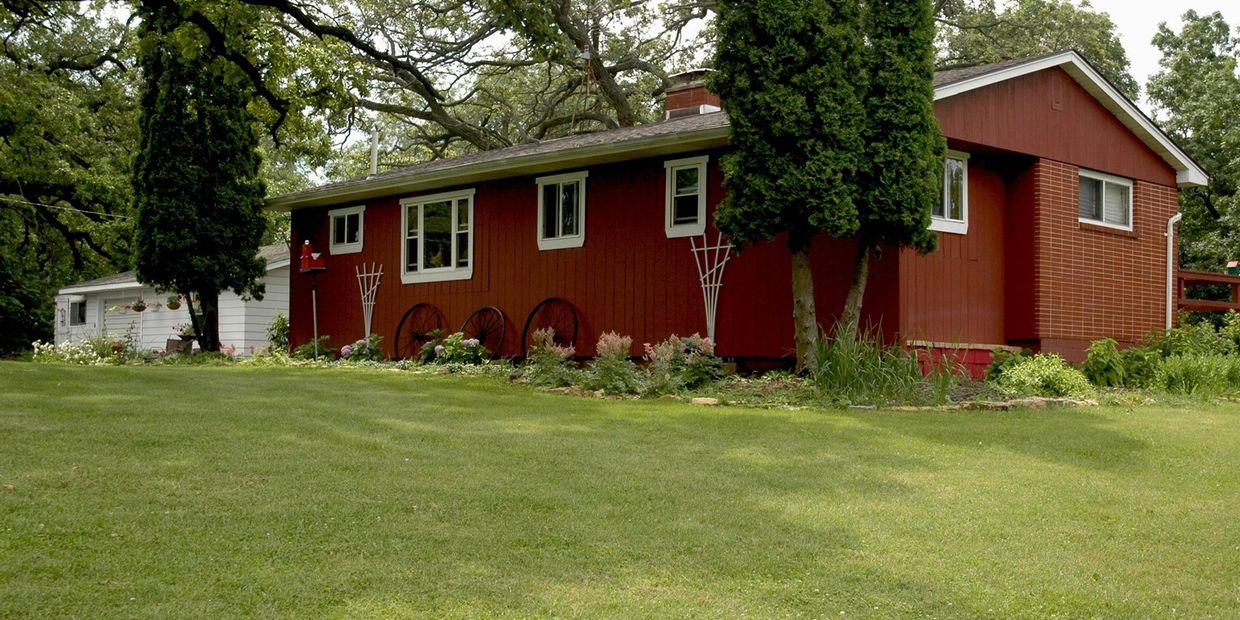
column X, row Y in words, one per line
column 243, row 324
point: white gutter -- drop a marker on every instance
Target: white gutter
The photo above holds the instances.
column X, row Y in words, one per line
column 1171, row 267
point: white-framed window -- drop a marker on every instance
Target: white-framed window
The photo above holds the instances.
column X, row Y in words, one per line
column 562, row 211
column 685, row 208
column 347, row 229
column 438, row 238
column 1106, row 200
column 77, row 313
column 951, row 214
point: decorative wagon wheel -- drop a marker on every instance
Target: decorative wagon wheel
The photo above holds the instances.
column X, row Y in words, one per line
column 421, row 324
column 487, row 324
column 553, row 312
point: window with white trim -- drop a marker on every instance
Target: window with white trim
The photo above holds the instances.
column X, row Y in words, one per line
column 1106, row 200
column 951, row 214
column 77, row 313
column 438, row 236
column 562, row 211
column 685, row 207
column 346, row 233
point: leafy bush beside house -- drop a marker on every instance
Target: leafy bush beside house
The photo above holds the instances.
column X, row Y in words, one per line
column 1044, row 374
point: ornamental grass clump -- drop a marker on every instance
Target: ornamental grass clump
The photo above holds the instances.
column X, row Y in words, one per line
column 612, row 371
column 1044, row 374
column 1198, row 375
column 550, row 364
column 681, row 364
column 862, row 371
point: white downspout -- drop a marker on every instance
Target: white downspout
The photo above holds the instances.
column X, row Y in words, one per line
column 1171, row 268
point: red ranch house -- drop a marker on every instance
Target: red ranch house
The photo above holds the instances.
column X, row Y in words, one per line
column 1057, row 201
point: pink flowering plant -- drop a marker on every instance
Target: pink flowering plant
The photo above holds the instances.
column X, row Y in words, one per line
column 681, row 364
column 550, row 364
column 612, row 371
column 366, row 349
column 455, row 349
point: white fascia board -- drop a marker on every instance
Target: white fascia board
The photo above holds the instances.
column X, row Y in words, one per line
column 1188, row 173
column 511, row 167
column 272, row 265
column 116, row 286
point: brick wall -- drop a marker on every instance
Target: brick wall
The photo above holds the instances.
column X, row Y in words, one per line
column 1092, row 281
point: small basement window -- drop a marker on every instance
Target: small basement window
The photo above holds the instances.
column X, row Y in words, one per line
column 439, row 239
column 686, row 197
column 951, row 214
column 77, row 313
column 1106, row 200
column 562, row 211
column 347, row 228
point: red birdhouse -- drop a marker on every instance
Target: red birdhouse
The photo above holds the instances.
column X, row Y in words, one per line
column 311, row 261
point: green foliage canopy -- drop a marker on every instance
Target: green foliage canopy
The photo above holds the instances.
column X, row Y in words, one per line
column 1196, row 95
column 795, row 117
column 198, row 195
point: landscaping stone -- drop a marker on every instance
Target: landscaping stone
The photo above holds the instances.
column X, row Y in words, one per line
column 705, row 400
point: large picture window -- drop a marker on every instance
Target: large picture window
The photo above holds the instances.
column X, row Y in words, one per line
column 685, row 207
column 1106, row 200
column 951, row 214
column 562, row 211
column 347, row 229
column 438, row 237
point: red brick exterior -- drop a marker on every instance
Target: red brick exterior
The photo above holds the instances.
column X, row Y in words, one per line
column 1090, row 281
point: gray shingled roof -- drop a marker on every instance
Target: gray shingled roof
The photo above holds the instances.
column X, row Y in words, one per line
column 620, row 136
column 952, row 76
column 272, row 253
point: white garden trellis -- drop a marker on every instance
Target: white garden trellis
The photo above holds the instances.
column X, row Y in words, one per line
column 710, row 261
column 368, row 283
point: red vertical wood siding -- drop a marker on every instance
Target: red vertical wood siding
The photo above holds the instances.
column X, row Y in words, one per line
column 1017, row 115
column 628, row 277
column 956, row 294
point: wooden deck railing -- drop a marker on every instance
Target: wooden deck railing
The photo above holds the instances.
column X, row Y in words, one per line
column 1202, row 278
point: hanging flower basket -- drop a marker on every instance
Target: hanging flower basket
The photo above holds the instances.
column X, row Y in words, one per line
column 174, row 302
column 138, row 305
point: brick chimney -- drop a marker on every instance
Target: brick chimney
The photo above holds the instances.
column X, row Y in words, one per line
column 688, row 95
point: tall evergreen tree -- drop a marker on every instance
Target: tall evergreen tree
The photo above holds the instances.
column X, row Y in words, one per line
column 198, row 195
column 900, row 178
column 788, row 74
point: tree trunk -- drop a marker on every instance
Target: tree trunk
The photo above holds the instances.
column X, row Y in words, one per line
column 209, row 326
column 804, row 316
column 850, row 322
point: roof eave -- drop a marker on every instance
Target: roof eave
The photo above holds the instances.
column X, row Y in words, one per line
column 1188, row 173
column 506, row 168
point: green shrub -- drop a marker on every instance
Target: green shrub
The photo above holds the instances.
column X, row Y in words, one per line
column 681, row 363
column 612, row 371
column 1140, row 364
column 277, row 333
column 1194, row 340
column 455, row 349
column 1104, row 365
column 549, row 364
column 1198, row 375
column 1044, row 374
column 1002, row 359
column 307, row 351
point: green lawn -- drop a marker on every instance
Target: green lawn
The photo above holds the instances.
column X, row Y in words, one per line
column 162, row 492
